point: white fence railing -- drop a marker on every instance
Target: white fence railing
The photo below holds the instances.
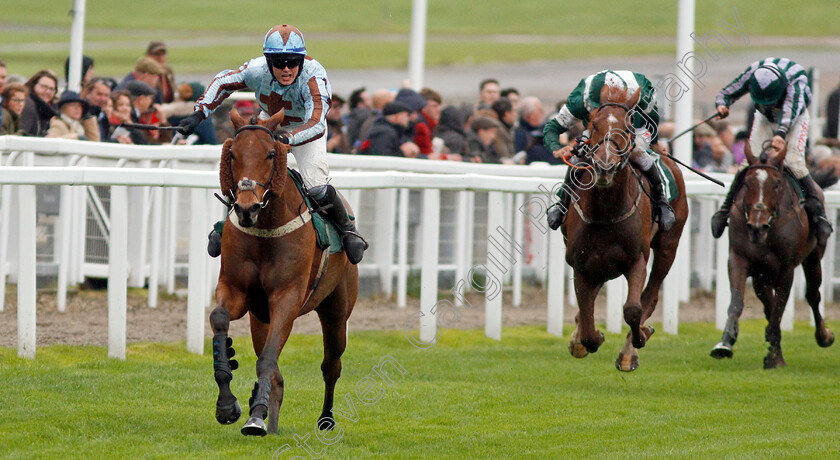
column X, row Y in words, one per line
column 515, row 201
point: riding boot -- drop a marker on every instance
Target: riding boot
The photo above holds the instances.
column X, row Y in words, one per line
column 814, row 208
column 657, row 189
column 556, row 213
column 214, row 243
column 328, row 198
column 720, row 218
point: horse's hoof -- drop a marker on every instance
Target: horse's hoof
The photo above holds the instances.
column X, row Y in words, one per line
column 771, row 362
column 228, row 414
column 254, row 427
column 827, row 341
column 578, row 350
column 721, row 350
column 326, row 424
column 627, row 364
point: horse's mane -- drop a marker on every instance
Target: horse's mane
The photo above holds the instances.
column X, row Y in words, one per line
column 615, row 94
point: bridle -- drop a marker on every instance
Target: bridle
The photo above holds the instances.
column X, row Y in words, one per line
column 591, row 149
column 249, row 185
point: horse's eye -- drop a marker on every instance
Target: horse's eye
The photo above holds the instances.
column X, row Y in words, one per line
column 271, row 154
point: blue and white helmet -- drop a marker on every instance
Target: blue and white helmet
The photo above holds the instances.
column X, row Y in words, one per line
column 284, row 39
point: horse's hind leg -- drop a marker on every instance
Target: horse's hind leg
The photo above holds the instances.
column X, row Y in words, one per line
column 227, row 407
column 259, row 332
column 333, row 316
column 737, row 283
column 813, row 279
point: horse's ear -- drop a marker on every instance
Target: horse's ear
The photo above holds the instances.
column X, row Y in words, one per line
column 226, row 180
column 748, row 153
column 237, row 119
column 634, row 98
column 275, row 120
column 278, row 181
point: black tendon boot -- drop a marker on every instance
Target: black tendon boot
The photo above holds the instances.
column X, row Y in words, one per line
column 354, row 244
column 720, row 218
column 214, row 240
column 814, row 208
column 556, row 213
column 666, row 212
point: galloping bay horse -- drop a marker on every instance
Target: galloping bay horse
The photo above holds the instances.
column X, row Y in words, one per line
column 611, row 231
column 769, row 235
column 272, row 269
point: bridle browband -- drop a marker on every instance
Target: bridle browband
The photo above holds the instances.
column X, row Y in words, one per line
column 246, row 184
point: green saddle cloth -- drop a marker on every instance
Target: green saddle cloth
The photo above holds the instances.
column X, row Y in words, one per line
column 327, row 235
column 671, row 190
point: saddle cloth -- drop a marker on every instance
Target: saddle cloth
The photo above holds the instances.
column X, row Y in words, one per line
column 671, row 190
column 327, row 235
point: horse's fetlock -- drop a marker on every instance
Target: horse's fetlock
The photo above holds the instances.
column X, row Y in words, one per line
column 633, row 315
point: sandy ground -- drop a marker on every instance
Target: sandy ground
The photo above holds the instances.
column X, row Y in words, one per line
column 85, row 321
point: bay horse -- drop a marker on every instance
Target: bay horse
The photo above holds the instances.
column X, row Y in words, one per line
column 769, row 235
column 611, row 233
column 272, row 270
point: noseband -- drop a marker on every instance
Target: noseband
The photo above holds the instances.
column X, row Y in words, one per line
column 246, row 184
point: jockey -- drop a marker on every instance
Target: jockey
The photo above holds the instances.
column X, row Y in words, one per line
column 585, row 98
column 286, row 78
column 779, row 88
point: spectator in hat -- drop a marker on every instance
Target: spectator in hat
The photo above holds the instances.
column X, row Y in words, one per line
column 420, row 134
column 70, row 122
column 451, row 129
column 142, row 98
column 166, row 82
column 13, row 96
column 87, row 71
column 389, row 134
column 39, row 108
column 149, row 72
column 483, row 131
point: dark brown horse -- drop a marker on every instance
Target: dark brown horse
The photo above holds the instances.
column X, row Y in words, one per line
column 769, row 235
column 272, row 269
column 611, row 232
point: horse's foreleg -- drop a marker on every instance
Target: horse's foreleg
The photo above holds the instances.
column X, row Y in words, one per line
column 227, row 407
column 737, row 282
column 267, row 368
column 333, row 318
column 813, row 279
column 587, row 335
column 773, row 332
column 259, row 333
column 633, row 313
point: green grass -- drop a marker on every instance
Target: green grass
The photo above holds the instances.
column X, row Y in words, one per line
column 458, row 31
column 467, row 397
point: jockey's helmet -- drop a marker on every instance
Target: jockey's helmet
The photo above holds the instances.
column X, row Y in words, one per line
column 767, row 85
column 284, row 39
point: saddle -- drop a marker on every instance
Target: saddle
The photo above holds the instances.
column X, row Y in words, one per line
column 327, row 235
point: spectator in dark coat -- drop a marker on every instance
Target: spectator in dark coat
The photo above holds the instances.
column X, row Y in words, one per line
column 451, row 130
column 389, row 134
column 39, row 108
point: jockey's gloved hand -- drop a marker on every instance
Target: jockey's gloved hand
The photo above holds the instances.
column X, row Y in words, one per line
column 284, row 138
column 188, row 125
column 580, row 141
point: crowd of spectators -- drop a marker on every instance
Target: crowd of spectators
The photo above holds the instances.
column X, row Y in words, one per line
column 500, row 127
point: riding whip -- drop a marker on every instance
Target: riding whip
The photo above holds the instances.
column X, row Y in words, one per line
column 142, row 126
column 700, row 173
column 692, row 128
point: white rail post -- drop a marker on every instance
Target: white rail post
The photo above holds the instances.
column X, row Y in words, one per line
column 462, row 265
column 683, row 262
column 26, row 272
column 556, row 282
column 417, row 48
column 788, row 315
column 616, row 295
column 197, row 272
column 386, row 202
column 64, row 238
column 118, row 272
column 154, row 265
column 519, row 238
column 828, row 260
column 429, row 267
column 704, row 242
column 402, row 248
column 493, row 299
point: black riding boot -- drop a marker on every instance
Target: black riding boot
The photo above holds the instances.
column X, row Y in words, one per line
column 214, row 243
column 354, row 244
column 814, row 208
column 657, row 189
column 720, row 218
column 556, row 213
